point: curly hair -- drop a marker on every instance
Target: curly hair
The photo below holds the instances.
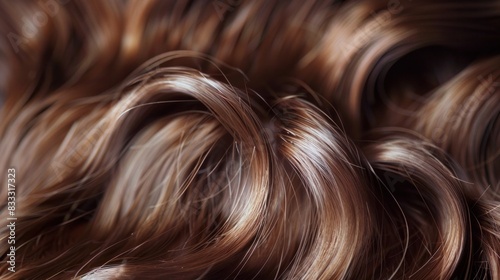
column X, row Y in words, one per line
column 264, row 139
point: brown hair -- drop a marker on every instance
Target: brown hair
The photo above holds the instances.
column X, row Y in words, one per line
column 250, row 139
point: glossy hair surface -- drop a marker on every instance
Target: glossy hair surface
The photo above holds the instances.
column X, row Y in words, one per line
column 251, row 139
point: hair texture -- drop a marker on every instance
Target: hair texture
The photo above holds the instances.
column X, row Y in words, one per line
column 262, row 139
